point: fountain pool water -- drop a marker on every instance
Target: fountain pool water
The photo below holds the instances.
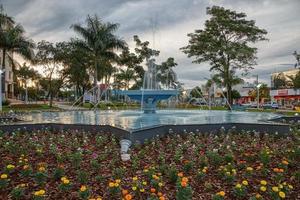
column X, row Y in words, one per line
column 135, row 119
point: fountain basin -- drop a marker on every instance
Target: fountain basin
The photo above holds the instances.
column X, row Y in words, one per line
column 148, row 98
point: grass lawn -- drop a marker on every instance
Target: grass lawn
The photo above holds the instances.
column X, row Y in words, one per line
column 283, row 112
column 29, row 108
column 78, row 165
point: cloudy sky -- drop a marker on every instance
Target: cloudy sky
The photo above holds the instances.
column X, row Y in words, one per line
column 165, row 23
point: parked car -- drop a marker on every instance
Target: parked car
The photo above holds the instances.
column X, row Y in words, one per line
column 270, row 105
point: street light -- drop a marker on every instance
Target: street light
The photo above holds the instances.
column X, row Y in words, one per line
column 1, row 72
column 258, row 86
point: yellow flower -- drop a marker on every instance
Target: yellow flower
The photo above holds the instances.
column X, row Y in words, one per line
column 66, row 181
column 281, row 194
column 275, row 189
column 263, row 188
column 142, row 190
column 245, row 182
column 63, row 178
column 144, row 183
column 111, row 184
column 22, row 185
column 263, row 182
column 39, row 193
column 99, row 198
column 4, row 176
column 118, row 181
column 25, row 167
column 238, row 185
column 160, row 184
column 135, row 178
column 146, row 170
column 10, row 166
column 290, row 186
column 249, row 169
column 116, row 184
column 280, row 186
column 204, row 170
column 155, row 177
column 134, row 188
column 257, row 196
column 42, row 169
column 83, row 188
column 222, row 193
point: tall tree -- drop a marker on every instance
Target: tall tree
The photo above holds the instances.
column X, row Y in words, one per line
column 13, row 40
column 100, row 41
column 196, row 92
column 25, row 74
column 49, row 56
column 279, row 81
column 225, row 44
column 76, row 62
column 295, row 80
column 166, row 74
column 125, row 76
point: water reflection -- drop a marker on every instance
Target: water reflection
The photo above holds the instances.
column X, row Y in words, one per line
column 131, row 119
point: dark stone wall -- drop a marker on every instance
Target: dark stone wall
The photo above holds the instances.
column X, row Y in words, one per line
column 141, row 135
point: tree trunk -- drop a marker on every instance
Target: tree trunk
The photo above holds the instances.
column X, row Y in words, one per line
column 229, row 94
column 95, row 81
column 3, row 74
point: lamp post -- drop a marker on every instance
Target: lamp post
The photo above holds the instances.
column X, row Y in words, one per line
column 258, row 86
column 1, row 72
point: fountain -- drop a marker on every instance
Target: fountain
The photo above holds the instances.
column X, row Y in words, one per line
column 151, row 93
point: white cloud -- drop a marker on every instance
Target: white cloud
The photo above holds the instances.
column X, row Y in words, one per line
column 173, row 19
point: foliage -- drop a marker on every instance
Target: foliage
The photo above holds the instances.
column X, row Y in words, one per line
column 279, row 81
column 100, row 42
column 48, row 55
column 264, row 92
column 196, row 92
column 225, row 44
column 295, row 80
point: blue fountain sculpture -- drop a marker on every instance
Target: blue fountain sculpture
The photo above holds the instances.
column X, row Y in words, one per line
column 150, row 94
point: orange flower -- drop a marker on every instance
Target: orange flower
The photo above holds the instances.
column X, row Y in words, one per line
column 162, row 198
column 276, row 169
column 152, row 190
column 281, row 170
column 128, row 197
column 185, row 179
column 124, row 192
column 159, row 194
column 285, row 162
column 183, row 184
column 180, row 174
column 186, row 162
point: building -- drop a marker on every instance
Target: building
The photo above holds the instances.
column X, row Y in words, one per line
column 7, row 81
column 282, row 89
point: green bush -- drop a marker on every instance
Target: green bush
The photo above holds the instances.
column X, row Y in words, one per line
column 5, row 102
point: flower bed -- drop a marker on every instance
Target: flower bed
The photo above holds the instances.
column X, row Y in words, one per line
column 74, row 165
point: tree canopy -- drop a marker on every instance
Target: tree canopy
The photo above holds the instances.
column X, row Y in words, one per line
column 226, row 44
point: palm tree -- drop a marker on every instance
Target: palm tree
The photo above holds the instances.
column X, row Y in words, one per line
column 99, row 40
column 5, row 20
column 12, row 40
column 125, row 76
